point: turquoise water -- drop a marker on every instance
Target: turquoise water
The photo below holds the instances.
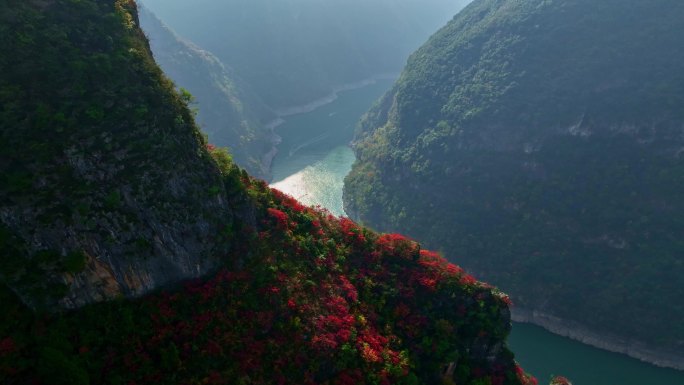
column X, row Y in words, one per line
column 543, row 354
column 321, row 182
column 313, row 160
column 314, row 157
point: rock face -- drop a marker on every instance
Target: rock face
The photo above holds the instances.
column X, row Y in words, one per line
column 545, row 141
column 228, row 112
column 107, row 190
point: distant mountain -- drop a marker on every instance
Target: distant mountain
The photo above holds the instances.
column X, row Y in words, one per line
column 545, row 141
column 227, row 111
column 134, row 252
column 294, row 51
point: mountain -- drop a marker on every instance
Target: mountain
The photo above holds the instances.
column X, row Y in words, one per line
column 295, row 51
column 545, row 141
column 101, row 161
column 227, row 110
column 134, row 252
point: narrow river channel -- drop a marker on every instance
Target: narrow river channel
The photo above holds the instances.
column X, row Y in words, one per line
column 313, row 159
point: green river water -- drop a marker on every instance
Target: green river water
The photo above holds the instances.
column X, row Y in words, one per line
column 313, row 159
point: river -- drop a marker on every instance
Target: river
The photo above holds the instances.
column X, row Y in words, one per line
column 312, row 161
column 314, row 156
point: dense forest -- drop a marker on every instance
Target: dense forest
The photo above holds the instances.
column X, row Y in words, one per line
column 545, row 141
column 292, row 52
column 134, row 252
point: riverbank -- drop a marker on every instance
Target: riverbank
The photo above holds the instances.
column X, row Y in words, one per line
column 332, row 96
column 282, row 112
column 578, row 332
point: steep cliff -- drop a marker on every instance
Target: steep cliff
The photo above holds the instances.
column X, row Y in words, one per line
column 227, row 111
column 545, row 140
column 107, row 189
column 110, row 192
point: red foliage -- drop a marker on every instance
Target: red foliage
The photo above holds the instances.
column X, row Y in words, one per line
column 282, row 220
column 352, row 232
column 430, row 283
column 505, row 299
column 397, row 245
column 523, row 377
column 299, row 306
column 467, row 279
column 559, row 380
column 324, row 342
column 349, row 289
column 333, row 329
column 371, row 345
column 273, row 289
column 289, row 202
column 438, row 264
column 369, row 354
column 454, row 270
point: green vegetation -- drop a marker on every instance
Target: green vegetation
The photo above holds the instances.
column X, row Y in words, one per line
column 111, row 180
column 227, row 110
column 544, row 141
column 96, row 145
column 74, row 262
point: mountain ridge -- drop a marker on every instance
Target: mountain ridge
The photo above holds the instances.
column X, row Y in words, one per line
column 545, row 138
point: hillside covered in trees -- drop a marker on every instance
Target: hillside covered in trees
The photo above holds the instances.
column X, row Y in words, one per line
column 544, row 139
column 134, row 252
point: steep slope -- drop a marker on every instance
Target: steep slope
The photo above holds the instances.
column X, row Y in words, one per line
column 101, row 160
column 292, row 52
column 316, row 301
column 545, row 141
column 227, row 111
column 110, row 191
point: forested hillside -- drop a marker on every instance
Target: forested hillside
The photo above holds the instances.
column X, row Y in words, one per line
column 227, row 110
column 134, row 252
column 292, row 52
column 545, row 141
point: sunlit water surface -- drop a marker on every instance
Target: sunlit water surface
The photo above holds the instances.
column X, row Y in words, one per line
column 314, row 157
